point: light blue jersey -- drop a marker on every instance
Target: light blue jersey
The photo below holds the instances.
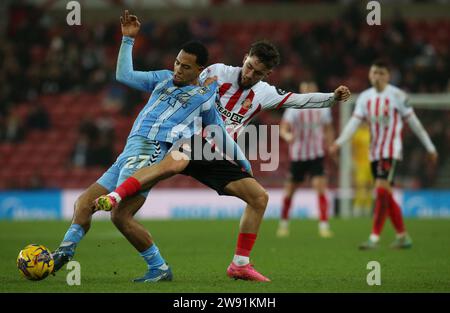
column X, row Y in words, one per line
column 170, row 111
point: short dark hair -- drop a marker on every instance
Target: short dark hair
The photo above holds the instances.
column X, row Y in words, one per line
column 381, row 63
column 266, row 52
column 198, row 49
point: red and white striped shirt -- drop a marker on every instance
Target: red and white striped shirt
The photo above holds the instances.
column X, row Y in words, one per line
column 385, row 112
column 239, row 106
column 307, row 128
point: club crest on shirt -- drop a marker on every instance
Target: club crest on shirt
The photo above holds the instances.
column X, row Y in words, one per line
column 203, row 90
column 247, row 104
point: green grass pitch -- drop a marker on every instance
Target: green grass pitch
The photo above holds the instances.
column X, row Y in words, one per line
column 199, row 252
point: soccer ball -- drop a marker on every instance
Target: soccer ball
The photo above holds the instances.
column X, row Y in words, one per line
column 35, row 262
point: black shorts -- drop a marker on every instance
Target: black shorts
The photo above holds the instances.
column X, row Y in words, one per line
column 215, row 174
column 300, row 169
column 384, row 169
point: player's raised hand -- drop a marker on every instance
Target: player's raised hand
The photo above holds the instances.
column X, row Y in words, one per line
column 342, row 93
column 130, row 24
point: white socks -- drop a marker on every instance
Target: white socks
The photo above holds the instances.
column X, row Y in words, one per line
column 324, row 226
column 116, row 196
column 240, row 260
column 374, row 238
column 284, row 223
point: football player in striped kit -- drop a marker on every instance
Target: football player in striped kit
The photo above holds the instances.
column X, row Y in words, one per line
column 385, row 108
column 308, row 132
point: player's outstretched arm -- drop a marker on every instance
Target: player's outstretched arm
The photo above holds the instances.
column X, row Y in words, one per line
column 329, row 134
column 311, row 100
column 346, row 134
column 286, row 131
column 125, row 73
column 224, row 141
column 422, row 134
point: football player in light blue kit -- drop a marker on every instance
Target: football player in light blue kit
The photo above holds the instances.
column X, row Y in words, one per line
column 176, row 100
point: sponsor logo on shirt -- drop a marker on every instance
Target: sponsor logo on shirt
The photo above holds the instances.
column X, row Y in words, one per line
column 233, row 117
column 281, row 92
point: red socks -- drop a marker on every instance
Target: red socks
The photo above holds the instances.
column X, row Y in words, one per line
column 286, row 207
column 323, row 208
column 396, row 215
column 128, row 188
column 385, row 204
column 245, row 244
column 381, row 208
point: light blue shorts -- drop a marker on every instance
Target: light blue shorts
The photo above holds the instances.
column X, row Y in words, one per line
column 139, row 152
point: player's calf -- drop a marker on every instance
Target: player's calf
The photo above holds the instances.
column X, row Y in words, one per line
column 66, row 250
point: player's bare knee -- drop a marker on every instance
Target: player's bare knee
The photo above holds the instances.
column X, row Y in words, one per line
column 83, row 204
column 260, row 201
column 177, row 162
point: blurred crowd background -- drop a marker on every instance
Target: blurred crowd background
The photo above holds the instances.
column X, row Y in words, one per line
column 64, row 118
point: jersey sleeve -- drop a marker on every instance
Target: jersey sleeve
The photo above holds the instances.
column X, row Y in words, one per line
column 210, row 71
column 276, row 98
column 348, row 131
column 421, row 133
column 360, row 110
column 403, row 106
column 144, row 81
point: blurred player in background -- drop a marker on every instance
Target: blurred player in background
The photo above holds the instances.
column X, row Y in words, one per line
column 242, row 95
column 176, row 99
column 385, row 107
column 362, row 173
column 308, row 132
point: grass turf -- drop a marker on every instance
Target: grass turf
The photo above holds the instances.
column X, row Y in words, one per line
column 199, row 252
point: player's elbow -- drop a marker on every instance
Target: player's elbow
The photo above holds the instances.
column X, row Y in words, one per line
column 120, row 76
